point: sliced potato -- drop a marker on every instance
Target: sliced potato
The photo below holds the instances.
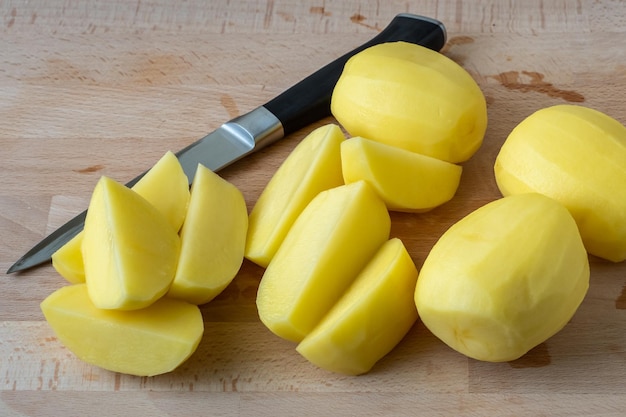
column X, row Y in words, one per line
column 68, row 260
column 213, row 238
column 145, row 342
column 406, row 181
column 370, row 319
column 313, row 166
column 165, row 186
column 330, row 242
column 130, row 249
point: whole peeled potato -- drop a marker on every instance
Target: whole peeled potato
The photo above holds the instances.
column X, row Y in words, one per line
column 504, row 278
column 576, row 155
column 413, row 98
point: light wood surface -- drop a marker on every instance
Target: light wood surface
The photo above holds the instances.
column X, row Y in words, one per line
column 89, row 88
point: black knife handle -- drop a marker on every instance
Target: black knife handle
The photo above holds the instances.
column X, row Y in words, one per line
column 309, row 100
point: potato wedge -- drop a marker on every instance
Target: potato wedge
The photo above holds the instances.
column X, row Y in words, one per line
column 406, row 181
column 129, row 248
column 213, row 239
column 370, row 319
column 145, row 342
column 165, row 186
column 330, row 242
column 313, row 166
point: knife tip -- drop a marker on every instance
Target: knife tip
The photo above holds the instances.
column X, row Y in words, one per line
column 22, row 264
column 17, row 266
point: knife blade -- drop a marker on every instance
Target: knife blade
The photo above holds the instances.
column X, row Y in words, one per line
column 298, row 106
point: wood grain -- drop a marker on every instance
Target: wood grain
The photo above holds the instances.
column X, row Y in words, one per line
column 92, row 88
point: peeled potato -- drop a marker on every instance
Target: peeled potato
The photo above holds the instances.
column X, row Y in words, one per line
column 165, row 186
column 411, row 97
column 406, row 181
column 212, row 239
column 370, row 319
column 330, row 242
column 313, row 166
column 130, row 249
column 144, row 342
column 504, row 279
column 577, row 156
column 68, row 260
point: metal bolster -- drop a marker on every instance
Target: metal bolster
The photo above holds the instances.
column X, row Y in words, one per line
column 256, row 129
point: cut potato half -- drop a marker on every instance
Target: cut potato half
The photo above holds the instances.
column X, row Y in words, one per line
column 370, row 319
column 330, row 242
column 145, row 342
column 406, row 181
column 130, row 249
column 312, row 167
column 213, row 238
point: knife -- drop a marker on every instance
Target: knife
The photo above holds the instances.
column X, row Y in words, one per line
column 300, row 105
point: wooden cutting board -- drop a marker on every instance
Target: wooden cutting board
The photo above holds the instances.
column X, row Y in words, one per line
column 105, row 88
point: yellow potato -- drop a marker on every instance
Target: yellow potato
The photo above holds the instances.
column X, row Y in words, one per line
column 370, row 319
column 212, row 239
column 68, row 260
column 504, row 279
column 144, row 342
column 330, row 242
column 165, row 186
column 577, row 156
column 413, row 98
column 406, row 181
column 130, row 250
column 313, row 166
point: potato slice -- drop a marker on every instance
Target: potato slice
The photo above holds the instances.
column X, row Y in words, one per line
column 144, row 342
column 313, row 166
column 411, row 97
column 165, row 186
column 577, row 156
column 68, row 260
column 213, row 238
column 504, row 279
column 406, row 181
column 370, row 319
column 330, row 242
column 130, row 250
